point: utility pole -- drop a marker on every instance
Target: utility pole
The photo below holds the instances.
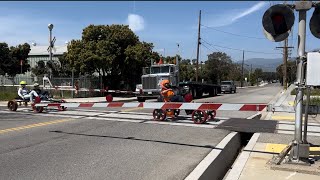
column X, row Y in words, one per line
column 250, row 74
column 198, row 46
column 242, row 68
column 285, row 60
column 178, row 64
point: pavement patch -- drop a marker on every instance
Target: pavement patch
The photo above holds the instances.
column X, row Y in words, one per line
column 33, row 125
column 248, row 125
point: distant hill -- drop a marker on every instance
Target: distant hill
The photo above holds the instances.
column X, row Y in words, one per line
column 267, row 65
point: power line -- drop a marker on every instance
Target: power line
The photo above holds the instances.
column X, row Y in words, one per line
column 236, row 49
column 209, row 44
column 232, row 33
column 208, row 48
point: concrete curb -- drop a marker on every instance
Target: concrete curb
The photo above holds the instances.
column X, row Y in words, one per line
column 217, row 163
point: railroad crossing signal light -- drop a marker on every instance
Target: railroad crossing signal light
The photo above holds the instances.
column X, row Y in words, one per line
column 315, row 22
column 277, row 22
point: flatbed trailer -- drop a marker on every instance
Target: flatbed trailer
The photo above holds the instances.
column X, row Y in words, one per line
column 199, row 89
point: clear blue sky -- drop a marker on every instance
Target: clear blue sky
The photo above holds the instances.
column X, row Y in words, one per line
column 162, row 23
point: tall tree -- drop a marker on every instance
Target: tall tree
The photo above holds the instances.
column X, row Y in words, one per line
column 113, row 51
column 5, row 59
column 187, row 71
column 291, row 71
column 11, row 59
column 138, row 56
column 40, row 69
column 218, row 67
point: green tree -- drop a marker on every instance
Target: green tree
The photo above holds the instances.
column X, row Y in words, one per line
column 112, row 51
column 187, row 71
column 11, row 58
column 5, row 60
column 218, row 67
column 66, row 68
column 256, row 76
column 138, row 56
column 40, row 69
column 291, row 72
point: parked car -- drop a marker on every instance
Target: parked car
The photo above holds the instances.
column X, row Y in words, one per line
column 228, row 86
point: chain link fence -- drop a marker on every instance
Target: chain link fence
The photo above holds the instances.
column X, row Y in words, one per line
column 7, row 83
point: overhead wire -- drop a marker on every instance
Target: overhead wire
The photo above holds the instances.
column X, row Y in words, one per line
column 236, row 49
column 215, row 29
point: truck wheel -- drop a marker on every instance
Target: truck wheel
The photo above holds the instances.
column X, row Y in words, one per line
column 140, row 99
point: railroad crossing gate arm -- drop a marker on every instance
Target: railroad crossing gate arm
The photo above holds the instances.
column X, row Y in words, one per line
column 167, row 105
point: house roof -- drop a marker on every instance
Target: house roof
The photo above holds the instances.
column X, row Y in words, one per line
column 42, row 50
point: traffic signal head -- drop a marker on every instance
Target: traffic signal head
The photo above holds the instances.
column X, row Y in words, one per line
column 277, row 22
column 315, row 22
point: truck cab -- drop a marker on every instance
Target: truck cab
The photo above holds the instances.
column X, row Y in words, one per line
column 151, row 78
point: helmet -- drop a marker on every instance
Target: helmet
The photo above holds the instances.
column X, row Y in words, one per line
column 23, row 83
column 35, row 85
column 165, row 84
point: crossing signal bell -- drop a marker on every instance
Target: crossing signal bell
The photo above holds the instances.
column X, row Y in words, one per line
column 277, row 22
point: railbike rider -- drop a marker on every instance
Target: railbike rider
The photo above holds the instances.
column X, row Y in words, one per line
column 167, row 94
column 25, row 94
column 43, row 94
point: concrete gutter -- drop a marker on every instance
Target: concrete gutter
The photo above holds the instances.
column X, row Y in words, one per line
column 217, row 163
column 240, row 163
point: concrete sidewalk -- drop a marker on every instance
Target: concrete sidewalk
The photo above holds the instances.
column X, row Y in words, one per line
column 253, row 162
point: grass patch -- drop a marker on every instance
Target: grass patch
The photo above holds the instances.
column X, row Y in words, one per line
column 6, row 96
column 313, row 101
column 8, row 93
column 314, row 92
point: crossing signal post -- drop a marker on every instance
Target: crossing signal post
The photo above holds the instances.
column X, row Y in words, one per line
column 277, row 22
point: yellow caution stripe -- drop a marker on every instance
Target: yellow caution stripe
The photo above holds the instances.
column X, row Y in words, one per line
column 34, row 125
column 277, row 148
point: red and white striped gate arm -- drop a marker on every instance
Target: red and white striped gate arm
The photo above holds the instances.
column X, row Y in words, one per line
column 167, row 105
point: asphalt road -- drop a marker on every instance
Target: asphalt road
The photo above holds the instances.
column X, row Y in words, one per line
column 109, row 144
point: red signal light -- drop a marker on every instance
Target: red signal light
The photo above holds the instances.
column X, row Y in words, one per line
column 277, row 19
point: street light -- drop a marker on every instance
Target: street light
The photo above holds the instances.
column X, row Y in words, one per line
column 50, row 27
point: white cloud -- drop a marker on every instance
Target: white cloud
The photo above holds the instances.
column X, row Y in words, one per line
column 136, row 22
column 252, row 9
column 231, row 16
